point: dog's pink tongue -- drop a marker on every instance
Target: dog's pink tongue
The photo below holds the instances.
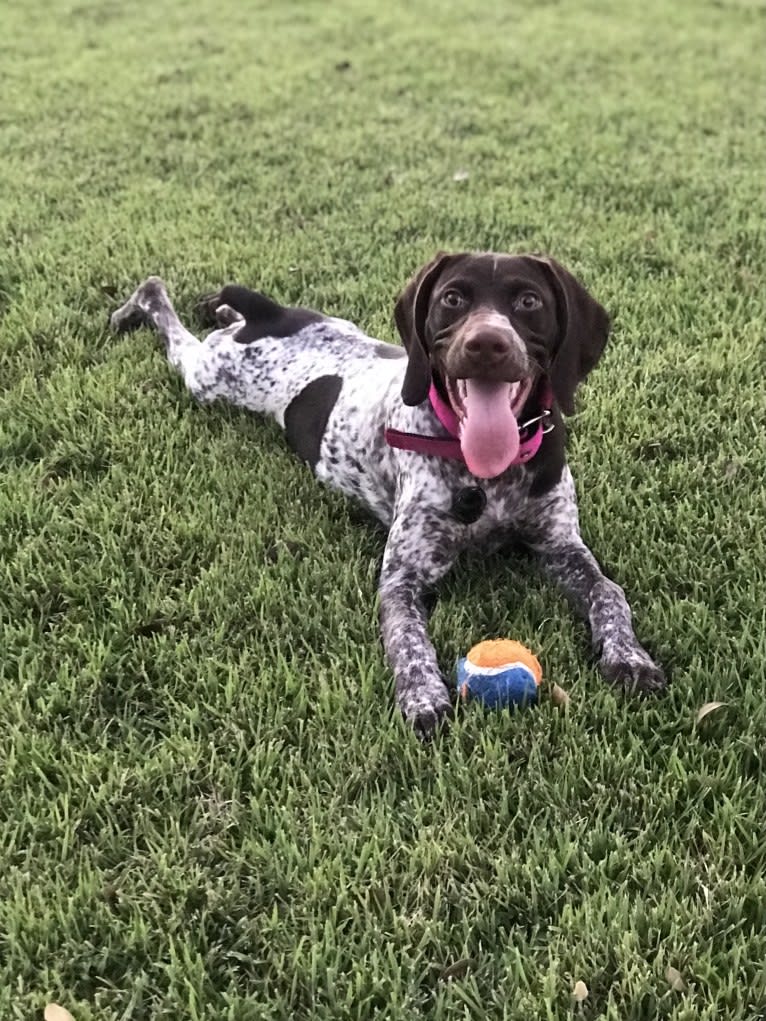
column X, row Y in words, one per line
column 489, row 433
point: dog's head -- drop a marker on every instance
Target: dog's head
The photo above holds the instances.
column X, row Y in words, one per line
column 486, row 329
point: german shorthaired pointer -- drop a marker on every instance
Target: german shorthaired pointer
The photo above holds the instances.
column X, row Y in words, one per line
column 454, row 441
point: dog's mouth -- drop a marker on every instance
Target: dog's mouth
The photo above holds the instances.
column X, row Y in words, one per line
column 487, row 413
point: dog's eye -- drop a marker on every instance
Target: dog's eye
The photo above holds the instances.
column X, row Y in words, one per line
column 527, row 301
column 453, row 299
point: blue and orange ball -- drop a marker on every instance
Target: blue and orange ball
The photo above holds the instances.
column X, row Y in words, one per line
column 499, row 673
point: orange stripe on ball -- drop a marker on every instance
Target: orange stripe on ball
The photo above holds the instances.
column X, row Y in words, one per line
column 501, row 651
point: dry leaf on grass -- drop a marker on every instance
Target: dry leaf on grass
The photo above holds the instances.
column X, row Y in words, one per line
column 708, row 708
column 456, row 970
column 580, row 992
column 54, row 1012
column 675, row 981
column 559, row 697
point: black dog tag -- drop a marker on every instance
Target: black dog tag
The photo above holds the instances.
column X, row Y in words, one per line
column 468, row 504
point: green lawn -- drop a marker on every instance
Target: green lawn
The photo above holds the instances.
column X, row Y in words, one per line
column 208, row 809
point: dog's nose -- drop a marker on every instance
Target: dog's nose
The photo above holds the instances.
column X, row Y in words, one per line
column 488, row 346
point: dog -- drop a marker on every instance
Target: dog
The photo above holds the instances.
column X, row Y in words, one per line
column 454, row 440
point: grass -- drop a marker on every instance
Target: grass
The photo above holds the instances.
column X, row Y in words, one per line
column 209, row 810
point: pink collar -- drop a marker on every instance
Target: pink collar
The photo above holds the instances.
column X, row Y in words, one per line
column 449, row 446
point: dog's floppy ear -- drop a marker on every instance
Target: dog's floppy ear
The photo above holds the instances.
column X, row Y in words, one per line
column 583, row 331
column 410, row 315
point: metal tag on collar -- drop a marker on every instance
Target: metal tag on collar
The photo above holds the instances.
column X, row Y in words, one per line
column 547, row 426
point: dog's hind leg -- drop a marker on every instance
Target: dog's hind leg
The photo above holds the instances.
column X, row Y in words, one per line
column 149, row 305
column 274, row 364
column 264, row 317
column 251, row 374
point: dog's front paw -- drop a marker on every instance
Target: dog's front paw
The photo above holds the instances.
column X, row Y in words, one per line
column 425, row 706
column 632, row 669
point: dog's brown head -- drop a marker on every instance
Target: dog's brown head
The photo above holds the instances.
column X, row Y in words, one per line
column 486, row 329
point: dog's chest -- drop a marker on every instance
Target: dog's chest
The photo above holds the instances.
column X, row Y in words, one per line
column 506, row 507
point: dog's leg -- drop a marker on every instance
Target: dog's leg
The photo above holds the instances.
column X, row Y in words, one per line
column 566, row 559
column 622, row 659
column 417, row 555
column 149, row 305
column 225, row 315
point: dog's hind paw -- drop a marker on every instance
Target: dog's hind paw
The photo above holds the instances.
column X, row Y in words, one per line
column 206, row 309
column 127, row 318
